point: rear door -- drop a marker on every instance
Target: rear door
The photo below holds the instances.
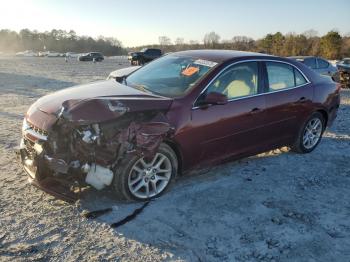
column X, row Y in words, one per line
column 288, row 101
column 236, row 127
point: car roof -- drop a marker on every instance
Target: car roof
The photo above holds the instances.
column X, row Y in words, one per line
column 301, row 57
column 218, row 56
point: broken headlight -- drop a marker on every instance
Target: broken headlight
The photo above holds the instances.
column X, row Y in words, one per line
column 89, row 134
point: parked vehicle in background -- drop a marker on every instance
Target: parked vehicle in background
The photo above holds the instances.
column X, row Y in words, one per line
column 27, row 53
column 92, row 56
column 184, row 110
column 53, row 54
column 144, row 56
column 344, row 72
column 72, row 54
column 319, row 65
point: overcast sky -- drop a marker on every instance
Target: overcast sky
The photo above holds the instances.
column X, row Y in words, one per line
column 137, row 22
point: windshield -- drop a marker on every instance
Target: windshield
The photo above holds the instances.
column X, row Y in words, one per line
column 170, row 76
column 346, row 61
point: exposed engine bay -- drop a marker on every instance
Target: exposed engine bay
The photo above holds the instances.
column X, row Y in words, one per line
column 80, row 152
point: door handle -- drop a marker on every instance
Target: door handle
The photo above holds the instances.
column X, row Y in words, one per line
column 255, row 110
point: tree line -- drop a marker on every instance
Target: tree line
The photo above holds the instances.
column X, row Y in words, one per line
column 331, row 45
column 57, row 41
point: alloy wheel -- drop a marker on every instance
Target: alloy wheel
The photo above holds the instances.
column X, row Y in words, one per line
column 312, row 133
column 148, row 179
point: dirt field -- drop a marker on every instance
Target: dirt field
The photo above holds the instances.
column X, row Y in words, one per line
column 277, row 206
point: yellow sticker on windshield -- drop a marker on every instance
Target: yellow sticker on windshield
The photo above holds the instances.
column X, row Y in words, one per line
column 189, row 71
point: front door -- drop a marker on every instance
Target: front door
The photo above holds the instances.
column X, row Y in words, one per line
column 236, row 127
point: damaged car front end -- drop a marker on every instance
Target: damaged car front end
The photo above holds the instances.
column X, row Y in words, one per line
column 185, row 110
column 83, row 141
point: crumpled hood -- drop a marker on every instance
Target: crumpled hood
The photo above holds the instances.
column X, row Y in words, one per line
column 53, row 102
column 95, row 102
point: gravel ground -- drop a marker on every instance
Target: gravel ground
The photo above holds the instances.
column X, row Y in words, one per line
column 276, row 206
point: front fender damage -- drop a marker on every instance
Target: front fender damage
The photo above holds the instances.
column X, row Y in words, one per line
column 87, row 148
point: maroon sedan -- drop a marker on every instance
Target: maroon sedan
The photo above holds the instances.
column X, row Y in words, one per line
column 184, row 110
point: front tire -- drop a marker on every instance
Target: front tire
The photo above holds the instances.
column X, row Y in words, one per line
column 140, row 179
column 310, row 134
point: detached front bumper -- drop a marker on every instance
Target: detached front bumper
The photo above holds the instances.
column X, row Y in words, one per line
column 55, row 188
column 37, row 166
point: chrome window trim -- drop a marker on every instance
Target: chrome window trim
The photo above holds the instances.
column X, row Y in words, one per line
column 249, row 96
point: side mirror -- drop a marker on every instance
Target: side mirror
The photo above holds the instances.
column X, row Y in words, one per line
column 215, row 98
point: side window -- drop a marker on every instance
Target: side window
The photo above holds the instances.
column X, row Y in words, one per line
column 310, row 62
column 299, row 79
column 282, row 76
column 238, row 81
column 322, row 63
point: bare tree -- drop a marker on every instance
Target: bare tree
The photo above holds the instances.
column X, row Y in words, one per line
column 179, row 41
column 211, row 40
column 164, row 40
column 194, row 42
column 242, row 43
column 310, row 33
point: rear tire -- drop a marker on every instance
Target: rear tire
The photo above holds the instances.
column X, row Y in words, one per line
column 136, row 181
column 310, row 134
column 140, row 62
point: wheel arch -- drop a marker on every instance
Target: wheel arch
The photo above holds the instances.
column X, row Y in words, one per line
column 176, row 148
column 324, row 113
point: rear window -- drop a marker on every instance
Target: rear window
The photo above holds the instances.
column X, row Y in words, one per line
column 310, row 62
column 153, row 51
column 322, row 63
column 282, row 76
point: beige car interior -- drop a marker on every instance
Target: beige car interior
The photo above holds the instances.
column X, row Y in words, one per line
column 244, row 83
column 277, row 86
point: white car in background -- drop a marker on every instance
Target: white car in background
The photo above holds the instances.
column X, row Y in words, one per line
column 120, row 74
column 72, row 54
column 53, row 54
column 27, row 53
